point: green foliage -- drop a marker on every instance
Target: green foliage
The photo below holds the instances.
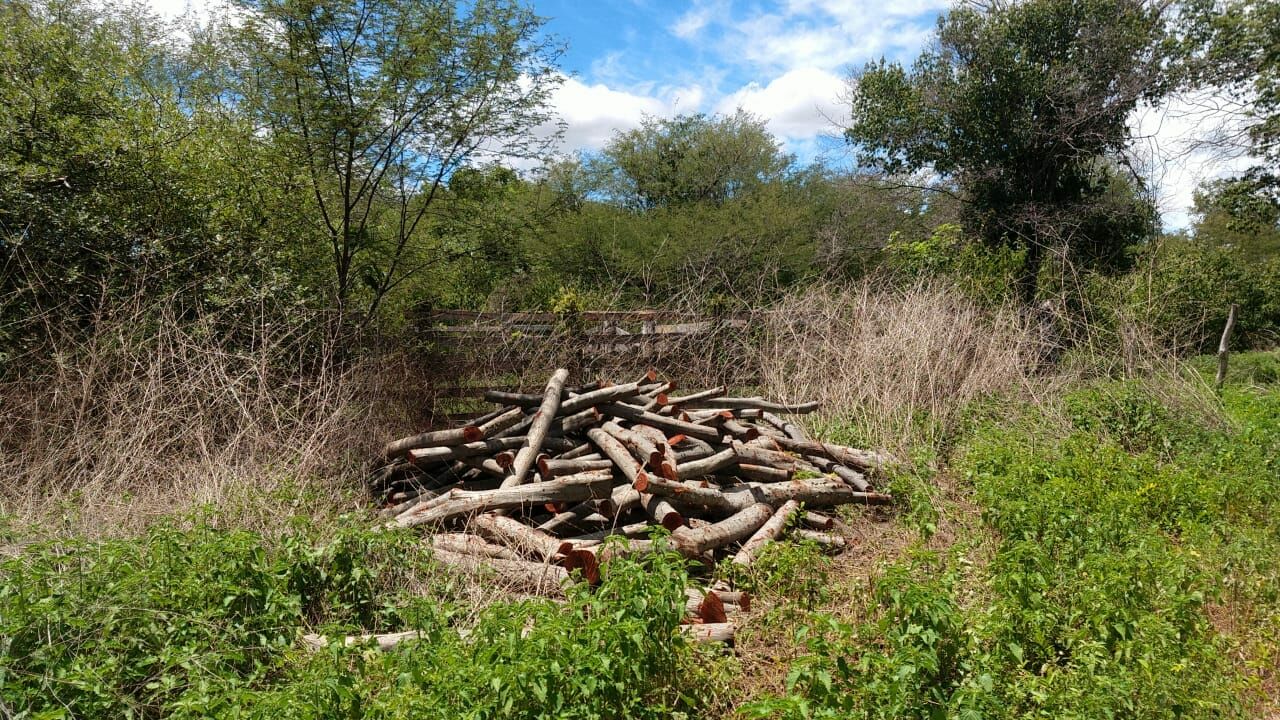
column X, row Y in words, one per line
column 380, row 103
column 1020, row 105
column 1242, row 214
column 1115, row 535
column 915, row 660
column 690, row 159
column 1186, row 289
column 983, row 272
column 205, row 623
column 113, row 181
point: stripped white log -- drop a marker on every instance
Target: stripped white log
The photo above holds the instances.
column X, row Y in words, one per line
column 766, row 534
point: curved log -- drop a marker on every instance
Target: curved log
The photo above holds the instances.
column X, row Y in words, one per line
column 757, row 403
column 457, row 503
column 767, row 533
column 635, row 414
column 739, row 526
column 531, row 577
column 468, row 544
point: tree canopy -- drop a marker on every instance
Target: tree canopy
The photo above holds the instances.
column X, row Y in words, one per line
column 1025, row 106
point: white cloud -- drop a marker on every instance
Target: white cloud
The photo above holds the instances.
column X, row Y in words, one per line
column 592, row 113
column 1184, row 142
column 799, row 105
column 688, row 25
column 828, row 34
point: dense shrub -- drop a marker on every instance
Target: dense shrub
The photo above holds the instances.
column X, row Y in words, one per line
column 1121, row 534
column 204, row 623
column 1182, row 291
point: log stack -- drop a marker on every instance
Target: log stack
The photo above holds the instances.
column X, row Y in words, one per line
column 530, row 492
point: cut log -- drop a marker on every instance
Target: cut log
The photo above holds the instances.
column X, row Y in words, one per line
column 818, row 521
column 813, row 492
column 864, row 460
column 514, row 534
column 855, row 479
column 829, row 542
column 457, row 503
column 468, row 544
column 756, row 403
column 760, row 473
column 677, row 400
column 455, row 436
column 757, row 455
column 553, row 467
column 667, row 465
column 767, row 533
column 739, row 526
column 426, row 456
column 710, row 632
column 632, row 530
column 708, row 465
column 384, row 641
column 727, row 597
column 659, row 509
column 635, row 414
column 531, row 577
column 538, row 428
column 597, row 397
column 788, row 428
column 740, row 430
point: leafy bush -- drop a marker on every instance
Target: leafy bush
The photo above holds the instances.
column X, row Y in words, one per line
column 984, row 273
column 1184, row 290
column 204, row 623
column 1120, row 533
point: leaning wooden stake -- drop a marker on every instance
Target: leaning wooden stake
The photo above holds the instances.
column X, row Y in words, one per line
column 542, row 420
column 1223, row 345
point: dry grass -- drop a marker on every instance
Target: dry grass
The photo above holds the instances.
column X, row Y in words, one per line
column 148, row 415
column 896, row 365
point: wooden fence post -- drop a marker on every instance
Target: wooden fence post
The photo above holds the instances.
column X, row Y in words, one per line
column 1223, row 345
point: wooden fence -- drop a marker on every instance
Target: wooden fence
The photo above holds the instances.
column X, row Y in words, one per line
column 474, row 350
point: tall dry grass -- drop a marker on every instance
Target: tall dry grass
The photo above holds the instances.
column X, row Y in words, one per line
column 897, row 365
column 150, row 413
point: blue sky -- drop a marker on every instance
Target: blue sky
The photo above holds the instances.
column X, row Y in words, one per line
column 785, row 61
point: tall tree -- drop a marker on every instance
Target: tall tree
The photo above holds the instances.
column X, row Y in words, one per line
column 690, row 159
column 381, row 101
column 1024, row 106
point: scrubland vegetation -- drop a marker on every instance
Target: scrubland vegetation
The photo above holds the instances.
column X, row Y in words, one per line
column 209, row 321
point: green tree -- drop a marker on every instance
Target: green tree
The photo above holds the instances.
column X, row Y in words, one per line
column 380, row 102
column 1025, row 107
column 690, row 159
column 1231, row 46
column 1239, row 213
column 112, row 181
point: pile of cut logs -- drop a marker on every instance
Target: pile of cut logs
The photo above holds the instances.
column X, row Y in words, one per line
column 530, row 492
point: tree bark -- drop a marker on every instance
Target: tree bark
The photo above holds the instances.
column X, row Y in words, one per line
column 756, row 403
column 538, row 429
column 1224, row 347
column 767, row 533
column 740, row 525
column 635, row 414
column 456, row 503
column 468, row 544
column 531, row 577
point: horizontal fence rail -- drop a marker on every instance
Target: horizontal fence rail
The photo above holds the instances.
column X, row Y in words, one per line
column 477, row 350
